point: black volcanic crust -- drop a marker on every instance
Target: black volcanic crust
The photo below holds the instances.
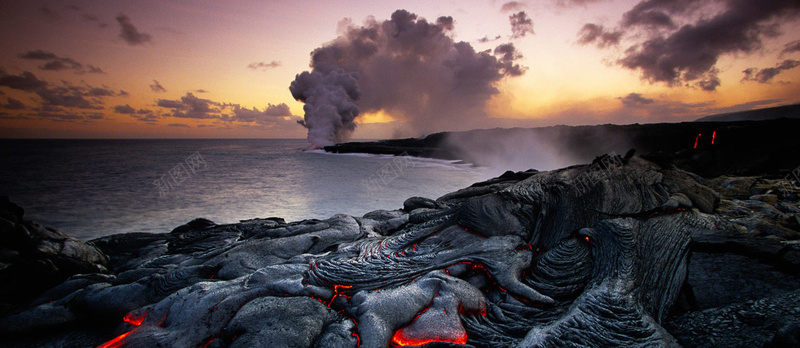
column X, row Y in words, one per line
column 432, row 146
column 619, row 252
column 740, row 148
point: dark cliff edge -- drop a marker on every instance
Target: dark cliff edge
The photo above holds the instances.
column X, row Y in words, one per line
column 767, row 147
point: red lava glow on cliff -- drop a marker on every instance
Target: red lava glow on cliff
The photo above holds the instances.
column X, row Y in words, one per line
column 696, row 139
column 713, row 136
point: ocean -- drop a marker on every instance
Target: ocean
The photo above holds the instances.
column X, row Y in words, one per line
column 93, row 188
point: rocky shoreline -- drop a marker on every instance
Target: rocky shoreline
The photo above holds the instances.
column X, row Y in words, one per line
column 623, row 251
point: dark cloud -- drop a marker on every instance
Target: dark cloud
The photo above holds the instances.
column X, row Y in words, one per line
column 100, row 92
column 709, row 80
column 94, row 70
column 26, row 81
column 791, row 47
column 767, row 74
column 13, row 104
column 658, row 13
column 264, row 66
column 690, row 53
column 447, row 23
column 444, row 84
column 38, row 55
column 181, row 125
column 49, row 13
column 507, row 55
column 512, row 6
column 157, row 87
column 146, row 116
column 190, row 106
column 486, row 39
column 92, row 18
column 85, row 97
column 124, row 109
column 53, row 116
column 521, row 25
column 261, row 117
column 73, row 97
column 122, row 93
column 55, row 63
column 58, row 114
column 635, row 100
column 200, row 91
column 597, row 34
column 129, row 33
column 574, row 3
column 64, row 64
column 170, row 104
column 277, row 110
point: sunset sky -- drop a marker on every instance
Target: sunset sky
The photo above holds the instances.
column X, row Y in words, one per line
column 222, row 69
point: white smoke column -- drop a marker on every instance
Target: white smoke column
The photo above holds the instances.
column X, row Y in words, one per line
column 408, row 68
column 329, row 96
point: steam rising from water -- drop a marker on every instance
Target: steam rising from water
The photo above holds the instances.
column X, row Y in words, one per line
column 544, row 148
column 406, row 67
column 330, row 104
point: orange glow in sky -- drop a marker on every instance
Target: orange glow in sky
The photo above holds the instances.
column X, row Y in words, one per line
column 211, row 69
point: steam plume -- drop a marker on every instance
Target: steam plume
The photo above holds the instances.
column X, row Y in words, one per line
column 408, row 68
column 330, row 104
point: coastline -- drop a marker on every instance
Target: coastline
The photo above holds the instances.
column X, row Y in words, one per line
column 741, row 224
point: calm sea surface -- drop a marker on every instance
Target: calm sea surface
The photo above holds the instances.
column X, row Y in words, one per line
column 93, row 188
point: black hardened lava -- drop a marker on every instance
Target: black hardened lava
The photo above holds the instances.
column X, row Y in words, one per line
column 591, row 255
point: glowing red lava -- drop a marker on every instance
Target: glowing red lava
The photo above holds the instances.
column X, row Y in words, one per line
column 696, row 139
column 587, row 240
column 135, row 318
column 209, row 342
column 116, row 342
column 400, row 340
column 713, row 136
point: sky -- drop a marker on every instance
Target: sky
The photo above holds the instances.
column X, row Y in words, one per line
column 370, row 70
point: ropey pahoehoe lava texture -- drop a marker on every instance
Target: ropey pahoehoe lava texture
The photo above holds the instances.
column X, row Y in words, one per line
column 590, row 255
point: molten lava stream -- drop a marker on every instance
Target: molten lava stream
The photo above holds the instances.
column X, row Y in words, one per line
column 116, row 342
column 401, row 341
column 134, row 318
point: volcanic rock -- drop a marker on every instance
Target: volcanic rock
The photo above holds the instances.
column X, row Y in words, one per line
column 619, row 252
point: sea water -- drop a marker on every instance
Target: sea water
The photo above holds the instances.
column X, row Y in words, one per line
column 93, row 188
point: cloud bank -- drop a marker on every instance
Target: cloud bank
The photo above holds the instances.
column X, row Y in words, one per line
column 679, row 42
